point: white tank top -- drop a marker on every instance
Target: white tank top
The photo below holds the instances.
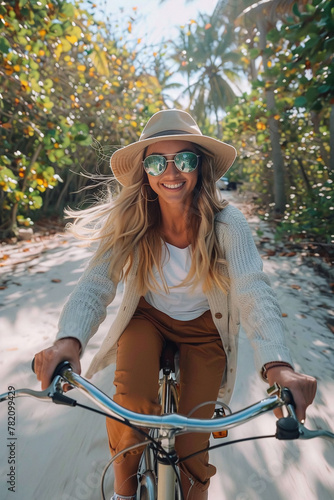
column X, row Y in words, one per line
column 180, row 303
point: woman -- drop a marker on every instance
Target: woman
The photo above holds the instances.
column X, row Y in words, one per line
column 191, row 270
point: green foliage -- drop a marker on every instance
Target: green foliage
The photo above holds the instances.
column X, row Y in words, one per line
column 311, row 220
column 308, row 179
column 299, row 55
column 309, row 72
column 64, row 80
column 72, row 87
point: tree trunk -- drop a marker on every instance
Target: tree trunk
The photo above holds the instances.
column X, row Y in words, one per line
column 13, row 229
column 331, row 139
column 253, row 70
column 60, row 201
column 305, row 178
column 252, row 64
column 277, row 156
column 219, row 126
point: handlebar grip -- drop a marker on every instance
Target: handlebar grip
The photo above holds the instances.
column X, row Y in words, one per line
column 287, row 428
column 63, row 365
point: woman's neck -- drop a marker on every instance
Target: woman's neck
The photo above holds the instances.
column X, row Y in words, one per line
column 175, row 227
column 176, row 231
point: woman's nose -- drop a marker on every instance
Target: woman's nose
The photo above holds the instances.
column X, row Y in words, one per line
column 171, row 168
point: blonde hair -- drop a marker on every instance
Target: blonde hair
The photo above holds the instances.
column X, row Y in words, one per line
column 127, row 227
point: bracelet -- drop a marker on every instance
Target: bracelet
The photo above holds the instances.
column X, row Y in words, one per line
column 273, row 364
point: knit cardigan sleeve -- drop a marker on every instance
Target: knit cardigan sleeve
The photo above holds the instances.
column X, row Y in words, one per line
column 251, row 295
column 86, row 307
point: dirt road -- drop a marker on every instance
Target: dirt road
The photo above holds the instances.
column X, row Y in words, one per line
column 58, row 453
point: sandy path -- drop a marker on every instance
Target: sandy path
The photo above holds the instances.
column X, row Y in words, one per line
column 60, row 452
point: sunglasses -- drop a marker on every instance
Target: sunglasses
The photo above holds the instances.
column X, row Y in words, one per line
column 185, row 162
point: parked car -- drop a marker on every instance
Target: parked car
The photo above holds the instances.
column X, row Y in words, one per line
column 222, row 183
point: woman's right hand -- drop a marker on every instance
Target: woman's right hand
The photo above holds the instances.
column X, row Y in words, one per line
column 66, row 349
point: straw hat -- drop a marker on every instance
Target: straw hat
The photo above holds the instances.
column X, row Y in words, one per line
column 167, row 125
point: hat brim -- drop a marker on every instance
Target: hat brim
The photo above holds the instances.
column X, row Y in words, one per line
column 126, row 160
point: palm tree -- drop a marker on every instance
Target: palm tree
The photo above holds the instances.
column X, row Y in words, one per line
column 206, row 53
column 257, row 17
column 164, row 77
column 263, row 16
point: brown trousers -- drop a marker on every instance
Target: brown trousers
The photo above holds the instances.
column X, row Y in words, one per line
column 202, row 363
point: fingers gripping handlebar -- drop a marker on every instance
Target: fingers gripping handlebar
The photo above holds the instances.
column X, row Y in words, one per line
column 63, row 365
column 287, row 427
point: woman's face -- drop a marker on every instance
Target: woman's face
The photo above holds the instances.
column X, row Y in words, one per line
column 172, row 186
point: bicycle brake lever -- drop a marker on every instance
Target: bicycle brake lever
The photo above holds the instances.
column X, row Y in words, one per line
column 304, row 433
column 47, row 394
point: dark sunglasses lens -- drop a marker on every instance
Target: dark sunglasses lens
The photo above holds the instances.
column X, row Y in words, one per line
column 155, row 164
column 186, row 162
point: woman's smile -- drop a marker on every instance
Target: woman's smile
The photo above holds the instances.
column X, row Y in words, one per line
column 173, row 186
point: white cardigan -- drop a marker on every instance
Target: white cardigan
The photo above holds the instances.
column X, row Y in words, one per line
column 250, row 300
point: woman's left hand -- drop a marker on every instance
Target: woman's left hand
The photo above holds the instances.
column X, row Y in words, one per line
column 303, row 388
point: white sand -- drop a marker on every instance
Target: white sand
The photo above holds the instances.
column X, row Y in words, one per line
column 60, row 452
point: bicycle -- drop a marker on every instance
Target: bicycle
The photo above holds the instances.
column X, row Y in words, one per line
column 158, row 475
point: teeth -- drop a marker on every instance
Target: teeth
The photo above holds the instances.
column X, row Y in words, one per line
column 173, row 186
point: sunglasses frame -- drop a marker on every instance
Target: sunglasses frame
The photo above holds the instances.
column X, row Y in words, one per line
column 173, row 160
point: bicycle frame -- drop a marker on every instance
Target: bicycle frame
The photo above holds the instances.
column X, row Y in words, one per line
column 167, row 480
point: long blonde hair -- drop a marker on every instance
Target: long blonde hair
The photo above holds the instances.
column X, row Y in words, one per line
column 127, row 227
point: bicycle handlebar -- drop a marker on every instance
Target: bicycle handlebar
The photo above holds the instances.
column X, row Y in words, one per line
column 287, row 428
column 168, row 422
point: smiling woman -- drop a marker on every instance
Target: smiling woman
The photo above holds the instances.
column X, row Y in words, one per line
column 174, row 186
column 191, row 271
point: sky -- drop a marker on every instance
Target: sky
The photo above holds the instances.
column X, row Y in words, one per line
column 156, row 21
